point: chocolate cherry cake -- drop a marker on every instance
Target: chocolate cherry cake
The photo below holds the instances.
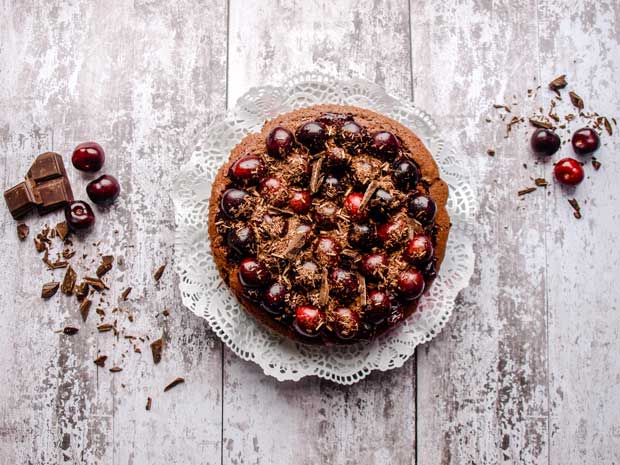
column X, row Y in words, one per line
column 329, row 224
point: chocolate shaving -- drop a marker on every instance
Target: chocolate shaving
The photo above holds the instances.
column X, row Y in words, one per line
column 513, row 121
column 81, row 290
column 104, row 328
column 540, row 124
column 596, row 164
column 558, row 83
column 362, row 288
column 22, row 231
column 70, row 330
column 158, row 272
column 67, row 254
column 95, row 283
column 125, row 293
column 324, row 292
column 157, row 348
column 526, row 191
column 573, row 203
column 85, row 308
column 370, row 190
column 316, row 174
column 62, row 229
column 105, row 266
column 174, row 383
column 115, row 369
column 49, row 289
column 499, row 105
column 576, row 100
column 100, row 361
column 541, row 182
column 294, row 243
column 606, row 124
column 68, row 283
column 149, row 402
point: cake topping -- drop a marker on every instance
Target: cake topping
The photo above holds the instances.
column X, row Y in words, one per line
column 313, row 135
column 279, row 142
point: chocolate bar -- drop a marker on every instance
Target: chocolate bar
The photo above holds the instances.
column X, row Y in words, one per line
column 46, row 166
column 54, row 194
column 20, row 200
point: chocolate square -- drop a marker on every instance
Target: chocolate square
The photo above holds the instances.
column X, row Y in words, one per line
column 54, row 194
column 19, row 200
column 46, row 166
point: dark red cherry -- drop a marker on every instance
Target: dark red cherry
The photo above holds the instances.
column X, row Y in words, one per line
column 393, row 234
column 568, row 171
column 545, row 142
column 308, row 275
column 343, row 284
column 410, row 284
column 351, row 134
column 242, row 240
column 327, row 251
column 253, row 273
column 419, row 250
column 422, row 208
column 352, row 206
column 300, row 202
column 326, row 215
column 374, row 266
column 104, row 190
column 313, row 135
column 337, row 158
column 585, row 141
column 331, row 187
column 405, row 174
column 274, row 298
column 334, row 119
column 234, row 204
column 362, row 236
column 381, row 204
column 248, row 169
column 308, row 320
column 430, row 269
column 274, row 191
column 377, row 307
column 279, row 142
column 385, row 144
column 79, row 215
column 88, row 156
column 346, row 323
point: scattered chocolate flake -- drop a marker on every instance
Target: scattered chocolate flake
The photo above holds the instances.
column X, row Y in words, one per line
column 81, row 290
column 370, row 190
column 573, row 203
column 499, row 105
column 95, row 283
column 606, row 124
column 39, row 244
column 158, row 272
column 541, row 182
column 540, row 124
column 491, row 152
column 526, row 191
column 324, row 292
column 85, row 308
column 115, row 369
column 22, row 231
column 166, row 312
column 67, row 254
column 174, row 383
column 68, row 283
column 576, row 100
column 316, row 175
column 149, row 402
column 105, row 266
column 104, row 328
column 100, row 311
column 137, row 350
column 53, row 265
column 70, row 330
column 596, row 164
column 49, row 289
column 62, row 229
column 513, row 121
column 558, row 83
column 157, row 348
column 100, row 361
column 125, row 293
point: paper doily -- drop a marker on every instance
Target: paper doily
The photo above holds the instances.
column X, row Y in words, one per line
column 201, row 287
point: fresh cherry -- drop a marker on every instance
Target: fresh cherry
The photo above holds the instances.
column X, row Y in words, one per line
column 79, row 215
column 337, row 158
column 242, row 240
column 585, row 141
column 351, row 133
column 331, row 187
column 405, row 174
column 352, row 205
column 104, row 190
column 279, row 142
column 377, row 307
column 545, row 142
column 361, row 236
column 233, row 203
column 308, row 320
column 273, row 191
column 334, row 119
column 248, row 169
column 422, row 208
column 410, row 284
column 300, row 202
column 253, row 273
column 274, row 298
column 381, row 204
column 568, row 171
column 88, row 156
column 327, row 251
column 374, row 266
column 430, row 269
column 419, row 250
column 344, row 284
column 326, row 215
column 393, row 233
column 313, row 135
column 385, row 144
column 346, row 323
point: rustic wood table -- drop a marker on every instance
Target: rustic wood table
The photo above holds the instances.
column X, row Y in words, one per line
column 527, row 370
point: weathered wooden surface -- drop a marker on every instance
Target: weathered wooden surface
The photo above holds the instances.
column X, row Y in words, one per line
column 527, row 370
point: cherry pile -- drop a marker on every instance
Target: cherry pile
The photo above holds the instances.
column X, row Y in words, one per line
column 329, row 228
column 90, row 157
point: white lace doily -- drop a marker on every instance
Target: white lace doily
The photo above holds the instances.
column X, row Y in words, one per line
column 203, row 291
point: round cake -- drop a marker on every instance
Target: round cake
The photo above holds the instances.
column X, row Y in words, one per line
column 329, row 224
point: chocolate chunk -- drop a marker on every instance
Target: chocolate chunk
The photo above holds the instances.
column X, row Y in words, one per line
column 115, row 369
column 20, row 200
column 174, row 383
column 22, row 231
column 125, row 293
column 81, row 290
column 100, row 361
column 157, row 348
column 148, row 403
column 95, row 283
column 68, row 283
column 158, row 272
column 104, row 328
column 49, row 289
column 105, row 266
column 70, row 330
column 54, row 194
column 46, row 166
column 62, row 229
column 85, row 308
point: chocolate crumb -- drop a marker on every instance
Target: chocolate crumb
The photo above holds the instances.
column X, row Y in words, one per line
column 62, row 229
column 104, row 328
column 68, row 283
column 49, row 289
column 158, row 272
column 596, row 164
column 39, row 244
column 501, row 106
column 105, row 266
column 157, row 348
column 125, row 293
column 577, row 209
column 67, row 254
column 606, row 124
column 100, row 361
column 22, row 231
column 576, row 100
column 166, row 312
column 526, row 191
column 95, row 283
column 174, row 383
column 148, row 403
column 491, row 152
column 540, row 124
column 558, row 83
column 541, row 182
column 115, row 369
column 85, row 308
column 70, row 330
